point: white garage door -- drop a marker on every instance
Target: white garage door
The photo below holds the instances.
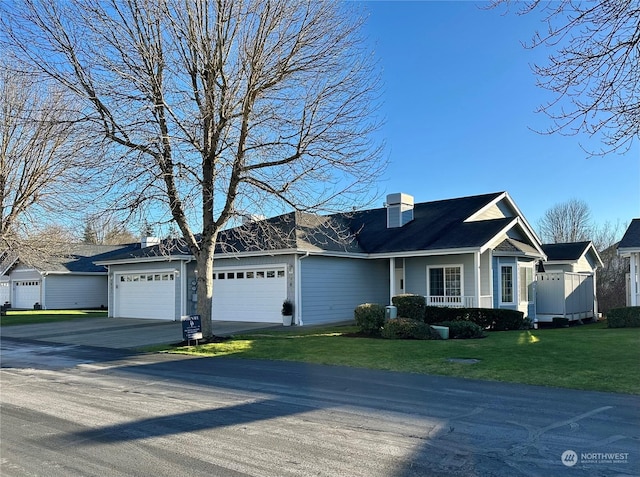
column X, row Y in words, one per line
column 254, row 294
column 145, row 295
column 26, row 293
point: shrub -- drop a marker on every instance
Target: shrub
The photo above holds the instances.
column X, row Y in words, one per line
column 436, row 314
column 410, row 306
column 406, row 328
column 486, row 318
column 504, row 320
column 628, row 317
column 463, row 329
column 369, row 318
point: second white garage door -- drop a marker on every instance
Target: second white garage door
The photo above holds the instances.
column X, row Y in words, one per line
column 26, row 293
column 146, row 295
column 254, row 294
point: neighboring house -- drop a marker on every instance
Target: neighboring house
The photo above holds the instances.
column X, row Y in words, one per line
column 475, row 251
column 72, row 281
column 629, row 247
column 566, row 286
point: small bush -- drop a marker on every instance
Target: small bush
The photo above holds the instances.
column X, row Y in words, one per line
column 369, row 318
column 410, row 306
column 405, row 329
column 504, row 320
column 461, row 330
column 628, row 317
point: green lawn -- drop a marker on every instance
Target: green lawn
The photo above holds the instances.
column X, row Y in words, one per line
column 590, row 357
column 47, row 316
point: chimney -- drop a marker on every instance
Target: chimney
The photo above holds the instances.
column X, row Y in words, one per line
column 399, row 210
column 149, row 241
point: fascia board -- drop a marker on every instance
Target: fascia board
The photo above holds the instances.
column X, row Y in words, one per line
column 167, row 258
column 425, row 253
column 627, row 251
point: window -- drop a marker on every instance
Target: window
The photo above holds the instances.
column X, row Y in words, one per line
column 506, row 284
column 280, row 273
column 526, row 283
column 240, row 275
column 271, row 273
column 445, row 281
column 249, row 274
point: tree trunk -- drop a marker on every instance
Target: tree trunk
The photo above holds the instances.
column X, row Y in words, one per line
column 204, row 270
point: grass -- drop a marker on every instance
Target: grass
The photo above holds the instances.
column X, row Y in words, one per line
column 47, row 316
column 589, row 357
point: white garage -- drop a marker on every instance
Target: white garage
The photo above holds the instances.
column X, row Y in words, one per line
column 145, row 295
column 249, row 294
column 26, row 293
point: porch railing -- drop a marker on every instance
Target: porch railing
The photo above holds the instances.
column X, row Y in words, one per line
column 451, row 301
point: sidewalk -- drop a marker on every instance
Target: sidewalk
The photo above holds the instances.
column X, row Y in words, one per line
column 120, row 333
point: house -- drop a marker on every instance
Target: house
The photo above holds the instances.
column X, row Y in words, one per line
column 629, row 247
column 566, row 282
column 70, row 281
column 476, row 251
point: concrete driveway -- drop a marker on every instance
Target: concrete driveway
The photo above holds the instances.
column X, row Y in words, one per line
column 121, row 333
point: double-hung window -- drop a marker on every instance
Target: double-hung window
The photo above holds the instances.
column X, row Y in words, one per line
column 445, row 281
column 506, row 284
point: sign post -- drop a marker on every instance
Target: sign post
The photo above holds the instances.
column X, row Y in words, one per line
column 191, row 328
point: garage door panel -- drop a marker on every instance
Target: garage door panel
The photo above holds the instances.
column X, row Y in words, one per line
column 26, row 293
column 249, row 294
column 149, row 295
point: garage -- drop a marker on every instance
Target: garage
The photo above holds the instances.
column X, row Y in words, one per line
column 26, row 293
column 249, row 294
column 146, row 295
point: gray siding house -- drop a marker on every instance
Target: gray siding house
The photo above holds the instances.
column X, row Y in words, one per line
column 476, row 251
column 70, row 281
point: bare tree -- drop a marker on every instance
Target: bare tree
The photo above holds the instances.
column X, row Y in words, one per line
column 219, row 107
column 593, row 72
column 41, row 170
column 611, row 278
column 568, row 221
column 100, row 229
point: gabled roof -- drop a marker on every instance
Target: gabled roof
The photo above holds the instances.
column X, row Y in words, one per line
column 80, row 258
column 631, row 239
column 441, row 226
column 570, row 252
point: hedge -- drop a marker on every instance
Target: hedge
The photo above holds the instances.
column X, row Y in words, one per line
column 463, row 329
column 410, row 306
column 406, row 328
column 486, row 318
column 370, row 318
column 628, row 317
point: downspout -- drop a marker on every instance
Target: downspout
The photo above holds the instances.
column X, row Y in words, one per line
column 392, row 279
column 43, row 291
column 476, row 263
column 298, row 290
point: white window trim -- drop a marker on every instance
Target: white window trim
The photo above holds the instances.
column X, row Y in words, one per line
column 514, row 284
column 448, row 265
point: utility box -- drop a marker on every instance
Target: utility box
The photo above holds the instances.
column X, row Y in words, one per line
column 390, row 312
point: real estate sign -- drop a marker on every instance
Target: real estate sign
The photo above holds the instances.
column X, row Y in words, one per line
column 191, row 327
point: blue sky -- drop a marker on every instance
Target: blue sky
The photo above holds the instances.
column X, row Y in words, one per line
column 459, row 104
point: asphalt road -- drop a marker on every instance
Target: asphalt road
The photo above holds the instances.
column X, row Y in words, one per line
column 85, row 411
